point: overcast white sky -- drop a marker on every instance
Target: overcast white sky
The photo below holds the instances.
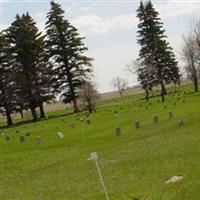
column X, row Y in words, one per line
column 110, row 29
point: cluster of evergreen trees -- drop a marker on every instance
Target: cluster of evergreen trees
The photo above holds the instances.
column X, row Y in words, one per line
column 35, row 67
column 157, row 64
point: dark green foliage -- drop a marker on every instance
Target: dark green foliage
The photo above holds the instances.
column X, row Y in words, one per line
column 30, row 65
column 65, row 49
column 7, row 86
column 158, row 65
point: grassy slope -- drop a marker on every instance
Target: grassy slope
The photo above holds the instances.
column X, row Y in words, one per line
column 137, row 164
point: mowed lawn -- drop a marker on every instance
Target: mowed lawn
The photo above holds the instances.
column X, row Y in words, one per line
column 134, row 165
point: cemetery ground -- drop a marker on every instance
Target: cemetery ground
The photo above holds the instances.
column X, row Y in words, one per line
column 134, row 165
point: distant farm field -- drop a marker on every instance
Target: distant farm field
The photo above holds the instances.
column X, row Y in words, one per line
column 135, row 165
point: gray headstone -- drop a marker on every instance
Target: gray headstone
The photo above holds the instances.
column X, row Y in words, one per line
column 180, row 122
column 155, row 119
column 39, row 139
column 117, row 131
column 88, row 121
column 60, row 135
column 137, row 124
column 170, row 114
column 22, row 138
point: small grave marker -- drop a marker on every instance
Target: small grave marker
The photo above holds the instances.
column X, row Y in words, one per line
column 137, row 124
column 155, row 119
column 170, row 114
column 60, row 135
column 88, row 121
column 39, row 139
column 117, row 131
column 6, row 138
column 22, row 138
column 180, row 122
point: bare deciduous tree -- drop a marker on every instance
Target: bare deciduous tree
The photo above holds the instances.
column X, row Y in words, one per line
column 120, row 84
column 89, row 96
column 191, row 54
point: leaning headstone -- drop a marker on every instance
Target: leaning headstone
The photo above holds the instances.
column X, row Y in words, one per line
column 155, row 119
column 180, row 122
column 117, row 131
column 39, row 139
column 137, row 124
column 22, row 138
column 60, row 135
column 174, row 179
column 170, row 114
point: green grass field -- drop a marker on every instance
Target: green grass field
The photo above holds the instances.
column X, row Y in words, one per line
column 134, row 165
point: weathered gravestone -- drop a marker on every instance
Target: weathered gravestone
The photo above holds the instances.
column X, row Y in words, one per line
column 137, row 124
column 180, row 122
column 39, row 139
column 88, row 121
column 21, row 138
column 60, row 135
column 170, row 114
column 155, row 119
column 117, row 131
column 6, row 138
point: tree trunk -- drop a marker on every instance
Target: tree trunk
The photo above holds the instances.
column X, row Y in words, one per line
column 89, row 106
column 34, row 113
column 75, row 105
column 147, row 95
column 196, row 87
column 8, row 116
column 42, row 113
column 21, row 113
column 163, row 91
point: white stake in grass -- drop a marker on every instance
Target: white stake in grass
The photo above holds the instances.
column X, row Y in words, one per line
column 95, row 158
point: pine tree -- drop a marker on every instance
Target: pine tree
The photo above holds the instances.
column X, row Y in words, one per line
column 30, row 63
column 155, row 52
column 7, row 98
column 66, row 49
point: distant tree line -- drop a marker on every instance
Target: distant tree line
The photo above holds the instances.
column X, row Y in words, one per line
column 34, row 68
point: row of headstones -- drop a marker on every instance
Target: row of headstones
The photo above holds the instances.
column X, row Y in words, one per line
column 155, row 121
column 39, row 139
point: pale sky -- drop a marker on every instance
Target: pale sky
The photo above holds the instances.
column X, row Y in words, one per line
column 110, row 29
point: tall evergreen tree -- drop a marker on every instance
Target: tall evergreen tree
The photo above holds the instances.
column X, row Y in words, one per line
column 66, row 49
column 7, row 86
column 27, row 47
column 155, row 51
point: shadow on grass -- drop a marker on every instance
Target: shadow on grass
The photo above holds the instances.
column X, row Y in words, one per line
column 22, row 123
